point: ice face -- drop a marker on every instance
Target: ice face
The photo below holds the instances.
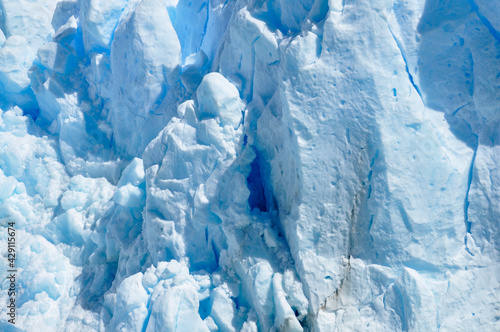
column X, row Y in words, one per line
column 175, row 165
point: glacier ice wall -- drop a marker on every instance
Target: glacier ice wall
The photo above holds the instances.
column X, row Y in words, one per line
column 251, row 165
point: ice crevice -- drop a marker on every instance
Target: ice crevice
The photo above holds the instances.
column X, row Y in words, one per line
column 461, row 107
column 470, row 177
column 403, row 56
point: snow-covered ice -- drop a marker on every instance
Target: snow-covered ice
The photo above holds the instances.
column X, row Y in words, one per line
column 243, row 165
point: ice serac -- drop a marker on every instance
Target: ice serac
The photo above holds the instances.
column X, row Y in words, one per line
column 145, row 59
column 302, row 165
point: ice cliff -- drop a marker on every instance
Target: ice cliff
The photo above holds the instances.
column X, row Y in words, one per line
column 251, row 165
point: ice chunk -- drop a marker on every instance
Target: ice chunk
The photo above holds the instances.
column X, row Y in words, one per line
column 217, row 97
column 67, row 32
column 169, row 270
column 211, row 324
column 30, row 19
column 99, row 21
column 261, row 275
column 7, row 186
column 149, row 280
column 16, row 58
column 133, row 174
column 223, row 310
column 285, row 317
column 176, row 309
column 70, row 227
column 131, row 305
column 129, row 196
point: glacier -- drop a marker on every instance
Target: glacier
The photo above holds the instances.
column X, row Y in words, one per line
column 251, row 165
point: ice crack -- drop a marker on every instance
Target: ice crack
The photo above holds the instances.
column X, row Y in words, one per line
column 410, row 76
column 468, row 224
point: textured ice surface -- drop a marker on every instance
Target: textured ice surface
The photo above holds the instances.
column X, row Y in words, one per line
column 191, row 165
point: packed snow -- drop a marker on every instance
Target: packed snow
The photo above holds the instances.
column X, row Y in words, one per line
column 244, row 165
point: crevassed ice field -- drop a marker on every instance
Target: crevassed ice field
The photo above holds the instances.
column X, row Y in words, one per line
column 250, row 165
